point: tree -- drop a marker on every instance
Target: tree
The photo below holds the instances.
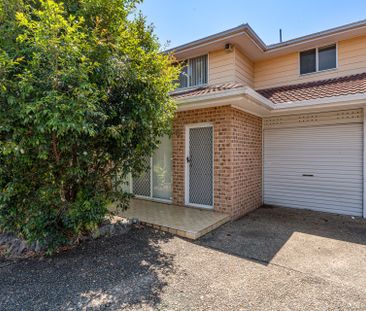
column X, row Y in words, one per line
column 84, row 99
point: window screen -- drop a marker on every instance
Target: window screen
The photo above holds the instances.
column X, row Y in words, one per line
column 183, row 77
column 194, row 72
column 327, row 57
column 308, row 61
column 142, row 184
column 162, row 170
column 156, row 182
column 198, row 70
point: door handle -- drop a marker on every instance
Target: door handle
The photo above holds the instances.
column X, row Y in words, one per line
column 308, row 175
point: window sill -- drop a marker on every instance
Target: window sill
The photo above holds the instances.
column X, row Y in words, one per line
column 317, row 72
column 188, row 88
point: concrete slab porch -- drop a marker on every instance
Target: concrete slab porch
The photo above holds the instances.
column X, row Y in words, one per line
column 190, row 223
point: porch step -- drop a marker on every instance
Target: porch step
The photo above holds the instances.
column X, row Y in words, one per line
column 186, row 222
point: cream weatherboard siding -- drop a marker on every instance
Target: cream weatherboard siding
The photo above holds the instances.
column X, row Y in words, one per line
column 221, row 67
column 315, row 166
column 228, row 67
column 244, row 69
column 284, row 70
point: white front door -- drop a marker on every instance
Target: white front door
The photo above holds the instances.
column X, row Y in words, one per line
column 199, row 166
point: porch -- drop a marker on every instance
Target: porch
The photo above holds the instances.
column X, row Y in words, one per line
column 186, row 222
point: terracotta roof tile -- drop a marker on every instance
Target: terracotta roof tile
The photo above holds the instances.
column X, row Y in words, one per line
column 204, row 90
column 348, row 85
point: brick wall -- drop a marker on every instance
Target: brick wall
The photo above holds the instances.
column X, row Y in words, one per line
column 237, row 157
column 247, row 162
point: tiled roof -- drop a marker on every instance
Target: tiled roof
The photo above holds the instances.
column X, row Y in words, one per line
column 347, row 85
column 205, row 90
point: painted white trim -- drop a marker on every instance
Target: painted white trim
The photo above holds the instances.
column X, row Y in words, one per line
column 131, row 183
column 322, row 101
column 260, row 98
column 218, row 37
column 208, row 68
column 247, row 92
column 316, row 36
column 272, row 48
column 151, row 197
column 151, row 177
column 222, row 94
column 240, row 91
column 186, row 165
column 364, row 163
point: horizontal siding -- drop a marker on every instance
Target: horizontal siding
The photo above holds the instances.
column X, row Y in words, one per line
column 284, row 70
column 333, row 154
column 227, row 67
column 221, row 67
column 244, row 69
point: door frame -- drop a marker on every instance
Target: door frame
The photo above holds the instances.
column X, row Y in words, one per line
column 186, row 166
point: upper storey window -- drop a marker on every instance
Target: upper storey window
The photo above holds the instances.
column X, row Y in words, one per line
column 318, row 59
column 195, row 72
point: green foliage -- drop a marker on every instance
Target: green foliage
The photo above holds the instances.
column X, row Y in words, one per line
column 84, row 98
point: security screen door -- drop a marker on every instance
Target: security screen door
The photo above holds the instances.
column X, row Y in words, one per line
column 142, row 185
column 199, row 161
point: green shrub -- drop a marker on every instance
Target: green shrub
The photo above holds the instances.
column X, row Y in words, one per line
column 84, row 98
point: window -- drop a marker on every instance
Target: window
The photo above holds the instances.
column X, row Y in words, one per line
column 308, row 61
column 156, row 182
column 318, row 59
column 327, row 58
column 195, row 72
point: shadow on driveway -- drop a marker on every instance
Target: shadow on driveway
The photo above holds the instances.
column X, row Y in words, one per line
column 122, row 271
column 262, row 234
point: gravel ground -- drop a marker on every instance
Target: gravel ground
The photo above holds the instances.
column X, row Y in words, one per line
column 269, row 260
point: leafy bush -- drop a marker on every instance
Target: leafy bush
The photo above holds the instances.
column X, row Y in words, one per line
column 84, row 98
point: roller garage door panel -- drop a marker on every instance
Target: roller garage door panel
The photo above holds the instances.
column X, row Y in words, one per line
column 316, row 167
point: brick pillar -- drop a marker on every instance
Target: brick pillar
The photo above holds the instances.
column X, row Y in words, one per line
column 237, row 157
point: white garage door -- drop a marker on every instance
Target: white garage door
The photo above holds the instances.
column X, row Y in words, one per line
column 317, row 167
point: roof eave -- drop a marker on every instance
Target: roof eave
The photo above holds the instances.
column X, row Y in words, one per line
column 317, row 35
column 221, row 35
column 262, row 47
column 267, row 106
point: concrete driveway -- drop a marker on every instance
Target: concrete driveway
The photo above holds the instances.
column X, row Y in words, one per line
column 272, row 259
column 328, row 246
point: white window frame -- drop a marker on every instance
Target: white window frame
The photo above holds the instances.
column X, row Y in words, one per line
column 151, row 197
column 317, row 60
column 189, row 72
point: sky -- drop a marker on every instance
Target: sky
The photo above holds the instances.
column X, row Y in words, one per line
column 183, row 21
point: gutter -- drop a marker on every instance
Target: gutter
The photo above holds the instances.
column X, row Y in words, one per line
column 316, row 35
column 241, row 29
column 350, row 99
column 245, row 28
column 269, row 106
column 229, row 94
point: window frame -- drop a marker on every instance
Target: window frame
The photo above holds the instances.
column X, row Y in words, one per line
column 151, row 197
column 317, row 59
column 189, row 72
